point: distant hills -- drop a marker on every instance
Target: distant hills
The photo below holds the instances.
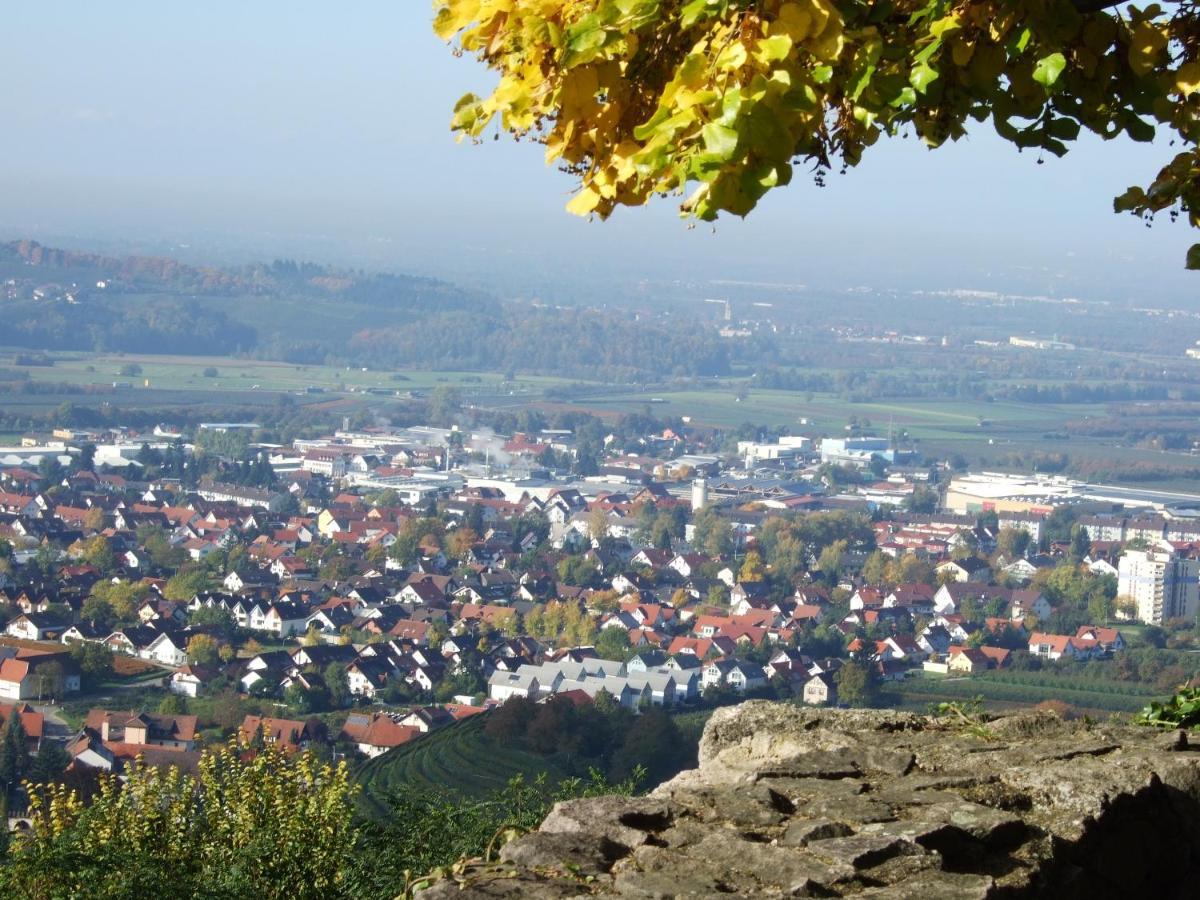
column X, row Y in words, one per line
column 136, row 273
column 57, row 299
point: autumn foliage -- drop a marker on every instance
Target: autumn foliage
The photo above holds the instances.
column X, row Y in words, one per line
column 720, row 99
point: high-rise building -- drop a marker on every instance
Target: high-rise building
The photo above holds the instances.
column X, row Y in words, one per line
column 1161, row 585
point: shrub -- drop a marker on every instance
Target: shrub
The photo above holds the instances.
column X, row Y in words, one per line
column 1180, row 711
column 274, row 825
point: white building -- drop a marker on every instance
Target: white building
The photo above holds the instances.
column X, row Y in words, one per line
column 856, row 451
column 1161, row 585
column 788, row 447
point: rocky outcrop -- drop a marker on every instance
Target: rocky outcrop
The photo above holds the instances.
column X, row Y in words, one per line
column 791, row 802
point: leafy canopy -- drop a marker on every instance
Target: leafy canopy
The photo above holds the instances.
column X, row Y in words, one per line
column 722, row 98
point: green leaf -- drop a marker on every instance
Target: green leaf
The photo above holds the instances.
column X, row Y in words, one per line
column 697, row 9
column 922, row 77
column 731, row 107
column 765, row 137
column 1193, row 256
column 468, row 112
column 1058, row 148
column 583, row 37
column 1138, row 129
column 636, row 13
column 860, row 84
column 719, row 140
column 1067, row 129
column 1131, row 199
column 945, row 26
column 1048, row 69
column 643, row 131
column 822, row 74
column 927, row 54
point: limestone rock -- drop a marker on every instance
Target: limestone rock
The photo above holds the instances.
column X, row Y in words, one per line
column 793, row 802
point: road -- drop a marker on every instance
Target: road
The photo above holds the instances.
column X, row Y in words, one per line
column 54, row 726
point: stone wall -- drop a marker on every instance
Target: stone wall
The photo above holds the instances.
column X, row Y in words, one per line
column 791, row 802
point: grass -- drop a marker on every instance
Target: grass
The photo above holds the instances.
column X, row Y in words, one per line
column 459, row 758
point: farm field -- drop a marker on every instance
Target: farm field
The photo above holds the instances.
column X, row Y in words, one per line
column 925, row 419
column 186, row 373
column 1025, row 689
column 987, row 434
column 460, row 758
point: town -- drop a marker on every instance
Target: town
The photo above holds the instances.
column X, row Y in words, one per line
column 355, row 592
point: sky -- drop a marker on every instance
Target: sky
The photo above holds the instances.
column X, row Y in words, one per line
column 320, row 130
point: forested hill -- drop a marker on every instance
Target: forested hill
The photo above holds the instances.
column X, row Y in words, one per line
column 301, row 312
column 160, row 273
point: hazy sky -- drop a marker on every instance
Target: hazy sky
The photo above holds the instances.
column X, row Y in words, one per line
column 321, row 130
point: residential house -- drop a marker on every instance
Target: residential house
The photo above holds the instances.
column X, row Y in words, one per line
column 427, row 718
column 969, row 569
column 1061, row 646
column 32, row 723
column 950, row 597
column 373, row 734
column 266, row 669
column 820, row 690
column 169, row 648
column 368, row 676
column 189, row 681
column 289, row 734
column 142, row 729
column 1029, row 603
column 934, row 639
column 1110, row 640
column 281, row 618
column 733, row 673
column 36, row 626
column 968, row 661
column 32, row 674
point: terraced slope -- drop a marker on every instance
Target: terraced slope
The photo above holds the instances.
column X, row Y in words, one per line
column 459, row 758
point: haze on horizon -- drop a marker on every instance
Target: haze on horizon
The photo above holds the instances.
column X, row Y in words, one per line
column 268, row 129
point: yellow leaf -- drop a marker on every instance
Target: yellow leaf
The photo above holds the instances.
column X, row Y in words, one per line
column 775, row 48
column 1187, row 79
column 794, row 21
column 1146, row 44
column 824, row 13
column 946, row 26
column 454, row 16
column 829, row 45
column 732, row 57
column 578, row 95
column 584, row 203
